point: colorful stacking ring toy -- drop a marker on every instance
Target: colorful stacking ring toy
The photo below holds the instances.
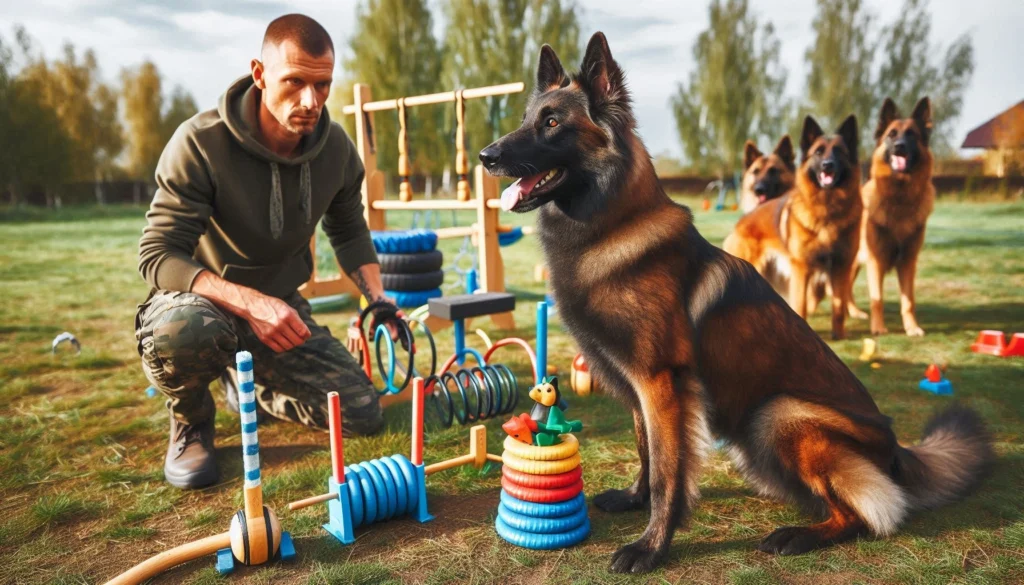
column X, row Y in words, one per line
column 567, row 448
column 540, row 467
column 542, row 496
column 542, row 481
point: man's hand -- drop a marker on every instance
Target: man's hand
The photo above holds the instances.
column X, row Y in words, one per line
column 367, row 279
column 274, row 321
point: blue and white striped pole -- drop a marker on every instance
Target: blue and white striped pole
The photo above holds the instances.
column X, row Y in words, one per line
column 250, row 442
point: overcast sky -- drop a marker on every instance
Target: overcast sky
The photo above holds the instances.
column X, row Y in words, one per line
column 204, row 44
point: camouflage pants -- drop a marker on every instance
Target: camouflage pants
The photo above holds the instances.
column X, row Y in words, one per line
column 186, row 342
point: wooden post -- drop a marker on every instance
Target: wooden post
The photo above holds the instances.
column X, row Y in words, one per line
column 417, row 421
column 373, row 183
column 492, row 268
column 461, row 159
column 337, row 444
column 404, row 188
column 478, row 445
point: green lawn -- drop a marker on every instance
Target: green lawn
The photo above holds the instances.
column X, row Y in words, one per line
column 81, row 446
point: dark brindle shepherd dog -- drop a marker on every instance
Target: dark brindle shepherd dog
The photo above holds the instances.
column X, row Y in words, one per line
column 694, row 340
column 766, row 176
column 814, row 230
column 897, row 202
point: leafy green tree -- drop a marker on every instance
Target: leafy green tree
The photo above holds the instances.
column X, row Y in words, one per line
column 736, row 91
column 841, row 61
column 86, row 107
column 149, row 126
column 913, row 67
column 395, row 52
column 489, row 42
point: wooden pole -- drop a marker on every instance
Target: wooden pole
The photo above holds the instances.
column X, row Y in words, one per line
column 417, row 421
column 435, row 98
column 373, row 183
column 404, row 188
column 311, row 501
column 172, row 558
column 461, row 160
column 337, row 442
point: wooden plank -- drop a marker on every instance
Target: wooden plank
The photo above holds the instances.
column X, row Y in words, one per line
column 422, row 205
column 435, row 98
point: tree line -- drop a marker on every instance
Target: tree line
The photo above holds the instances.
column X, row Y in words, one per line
column 61, row 123
column 736, row 92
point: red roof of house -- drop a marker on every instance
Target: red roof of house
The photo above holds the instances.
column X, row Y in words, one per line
column 1006, row 129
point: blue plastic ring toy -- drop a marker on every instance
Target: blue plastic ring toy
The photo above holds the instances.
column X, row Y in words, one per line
column 390, row 489
column 409, row 473
column 525, row 523
column 535, row 510
column 536, row 541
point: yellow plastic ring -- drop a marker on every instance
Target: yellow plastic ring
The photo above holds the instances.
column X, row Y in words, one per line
column 567, row 448
column 540, row 467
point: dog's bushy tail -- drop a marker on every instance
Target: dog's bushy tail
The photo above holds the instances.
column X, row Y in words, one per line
column 954, row 453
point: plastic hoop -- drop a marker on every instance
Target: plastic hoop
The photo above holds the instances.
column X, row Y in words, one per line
column 540, row 467
column 524, row 523
column 544, row 510
column 541, row 481
column 542, row 496
column 569, row 446
column 541, row 541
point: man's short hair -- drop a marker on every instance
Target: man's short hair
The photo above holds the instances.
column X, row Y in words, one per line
column 307, row 33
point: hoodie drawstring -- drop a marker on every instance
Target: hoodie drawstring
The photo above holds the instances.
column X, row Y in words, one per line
column 277, row 199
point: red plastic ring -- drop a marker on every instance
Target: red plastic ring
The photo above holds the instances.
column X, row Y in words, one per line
column 545, row 482
column 540, row 496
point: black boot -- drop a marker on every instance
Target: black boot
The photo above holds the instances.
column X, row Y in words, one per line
column 191, row 462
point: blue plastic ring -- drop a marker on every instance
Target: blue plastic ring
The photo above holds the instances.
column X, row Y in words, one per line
column 367, row 504
column 380, row 491
column 409, row 472
column 536, row 510
column 398, row 481
column 536, row 541
column 390, row 489
column 525, row 523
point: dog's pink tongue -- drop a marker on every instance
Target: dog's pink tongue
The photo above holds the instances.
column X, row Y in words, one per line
column 517, row 191
column 899, row 163
column 824, row 179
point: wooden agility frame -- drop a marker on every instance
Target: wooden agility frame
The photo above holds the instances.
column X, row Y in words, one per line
column 486, row 203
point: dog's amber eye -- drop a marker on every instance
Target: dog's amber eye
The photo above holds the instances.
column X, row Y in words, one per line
column 552, row 122
column 892, row 133
column 820, row 151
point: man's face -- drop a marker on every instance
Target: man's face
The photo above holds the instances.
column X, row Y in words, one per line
column 295, row 85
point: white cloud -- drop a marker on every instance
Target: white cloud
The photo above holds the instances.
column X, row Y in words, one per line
column 204, row 45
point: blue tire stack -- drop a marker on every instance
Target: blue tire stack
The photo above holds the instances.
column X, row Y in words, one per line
column 410, row 265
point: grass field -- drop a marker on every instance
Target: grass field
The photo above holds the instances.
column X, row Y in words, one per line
column 82, row 495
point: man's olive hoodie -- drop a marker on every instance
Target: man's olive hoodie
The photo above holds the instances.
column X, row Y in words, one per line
column 226, row 203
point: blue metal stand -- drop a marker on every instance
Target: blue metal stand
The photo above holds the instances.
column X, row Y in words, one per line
column 340, row 513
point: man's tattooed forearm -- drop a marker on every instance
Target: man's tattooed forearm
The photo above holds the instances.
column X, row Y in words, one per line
column 364, row 287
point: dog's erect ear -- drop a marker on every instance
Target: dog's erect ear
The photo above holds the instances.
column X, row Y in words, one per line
column 811, row 132
column 750, row 154
column 784, row 150
column 601, row 75
column 923, row 118
column 848, row 132
column 889, row 113
column 550, row 73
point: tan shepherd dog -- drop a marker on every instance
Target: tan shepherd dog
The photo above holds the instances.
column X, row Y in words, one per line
column 694, row 341
column 814, row 229
column 766, row 176
column 898, row 199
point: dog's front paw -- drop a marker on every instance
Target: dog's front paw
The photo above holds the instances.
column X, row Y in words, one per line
column 637, row 557
column 855, row 312
column 915, row 331
column 791, row 540
column 618, row 500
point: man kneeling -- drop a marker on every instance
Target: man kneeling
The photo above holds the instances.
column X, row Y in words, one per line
column 226, row 246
